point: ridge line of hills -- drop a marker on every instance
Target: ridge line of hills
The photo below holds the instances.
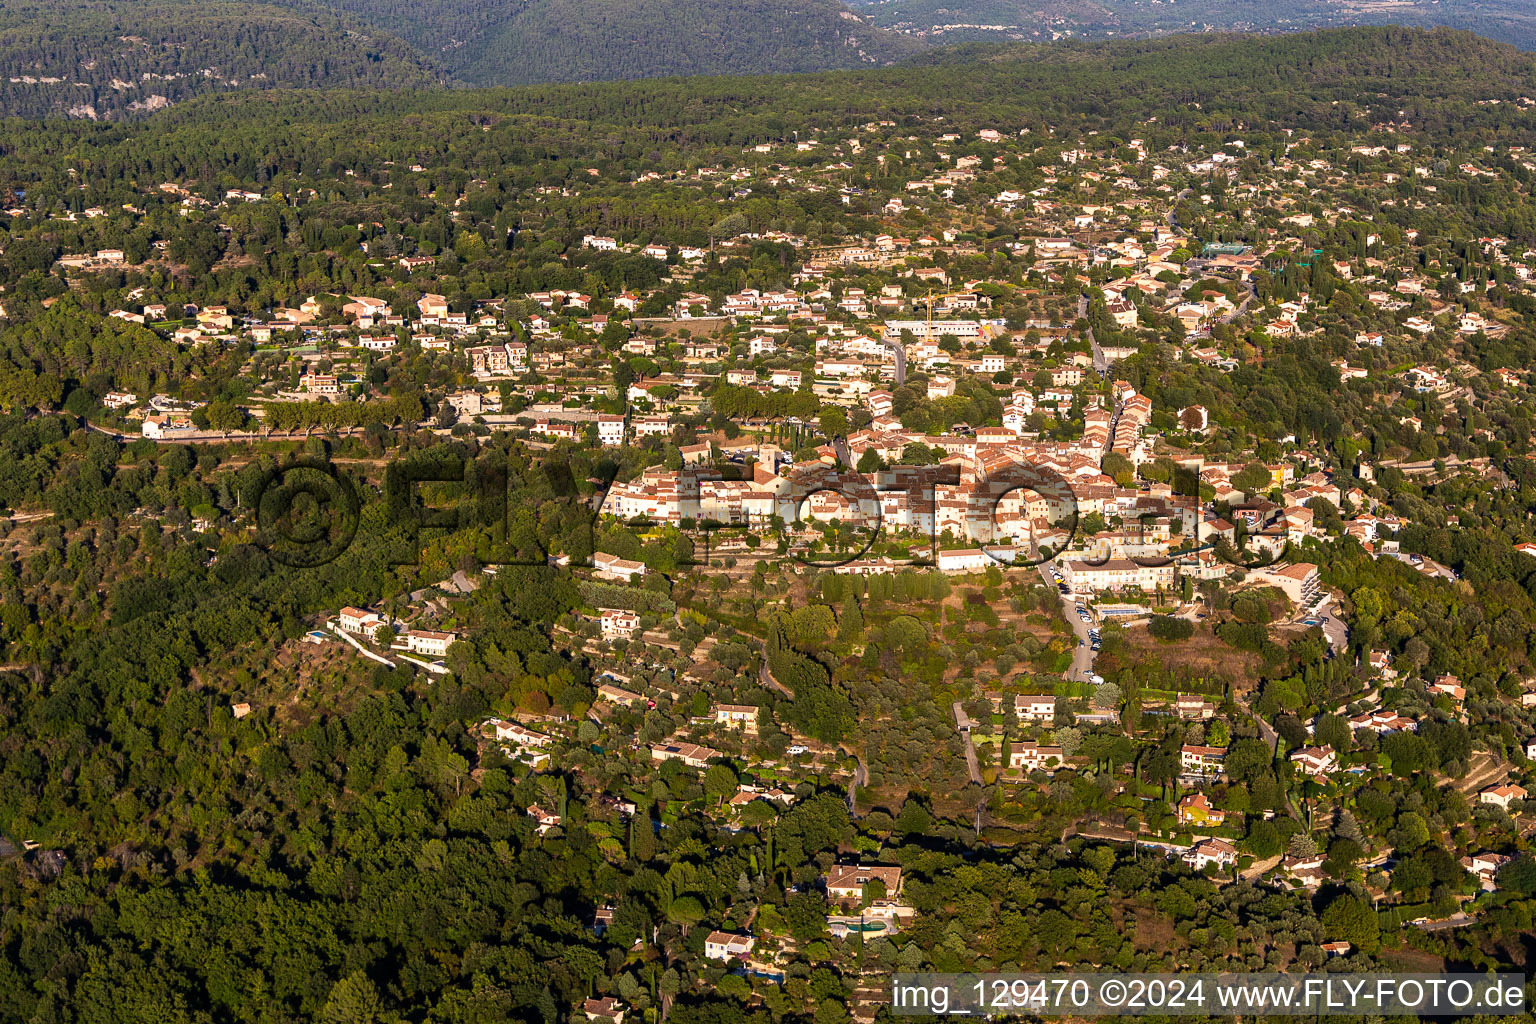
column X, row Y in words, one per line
column 97, row 60
column 1306, row 81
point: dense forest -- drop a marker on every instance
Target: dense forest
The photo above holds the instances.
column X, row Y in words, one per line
column 1315, row 82
column 95, row 60
column 949, row 21
column 591, row 40
column 508, row 43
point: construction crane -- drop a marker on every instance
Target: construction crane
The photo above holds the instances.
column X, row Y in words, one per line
column 928, row 334
column 894, row 344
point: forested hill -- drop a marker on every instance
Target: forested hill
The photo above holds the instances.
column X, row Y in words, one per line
column 951, row 21
column 1319, row 81
column 593, row 40
column 1165, row 91
column 509, row 42
column 90, row 59
column 100, row 60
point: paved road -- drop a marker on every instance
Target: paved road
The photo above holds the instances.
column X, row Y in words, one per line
column 1456, row 921
column 236, row 436
column 1100, row 363
column 1333, row 627
column 1369, row 697
column 1172, row 218
column 964, row 724
column 766, row 678
column 860, row 777
column 1111, row 833
column 1428, row 566
column 365, row 652
column 1242, row 307
column 1266, row 730
column 1082, row 657
column 900, row 353
column 1272, row 739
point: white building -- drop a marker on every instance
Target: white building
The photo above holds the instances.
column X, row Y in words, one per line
column 728, row 946
column 610, row 430
column 975, row 559
column 619, row 623
column 1211, row 851
column 359, row 620
column 1502, row 796
column 651, row 426
column 1031, row 756
column 319, row 383
column 736, row 716
column 1034, row 709
column 159, row 426
column 1198, row 760
column 1118, row 574
column 613, row 565
column 516, row 732
column 429, row 642
column 1299, row 582
column 936, row 329
column 847, row 881
column 1315, row 761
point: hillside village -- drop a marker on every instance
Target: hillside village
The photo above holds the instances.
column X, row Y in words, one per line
column 953, row 487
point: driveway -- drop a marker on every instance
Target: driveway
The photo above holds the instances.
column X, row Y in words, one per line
column 964, row 724
column 1333, row 627
column 860, row 776
column 1456, row 921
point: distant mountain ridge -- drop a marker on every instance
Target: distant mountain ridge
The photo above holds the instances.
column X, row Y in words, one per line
column 591, row 40
column 98, row 60
column 954, row 21
column 515, row 42
column 104, row 59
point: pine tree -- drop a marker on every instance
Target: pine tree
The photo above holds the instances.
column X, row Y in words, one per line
column 642, row 839
column 1302, row 846
column 1348, row 828
column 546, row 1006
column 353, row 1000
column 850, row 622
